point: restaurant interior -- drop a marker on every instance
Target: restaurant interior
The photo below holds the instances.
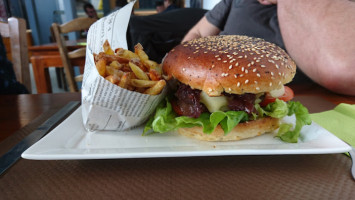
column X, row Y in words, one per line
column 46, row 42
column 40, row 15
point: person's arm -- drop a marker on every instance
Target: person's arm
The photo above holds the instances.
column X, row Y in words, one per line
column 212, row 23
column 320, row 36
column 201, row 29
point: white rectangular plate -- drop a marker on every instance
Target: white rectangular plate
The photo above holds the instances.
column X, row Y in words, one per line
column 70, row 140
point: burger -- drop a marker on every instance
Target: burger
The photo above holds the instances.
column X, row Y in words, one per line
column 226, row 88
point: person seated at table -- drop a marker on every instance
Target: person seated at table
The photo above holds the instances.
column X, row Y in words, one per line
column 119, row 4
column 315, row 33
column 159, row 6
column 8, row 82
column 90, row 10
column 170, row 5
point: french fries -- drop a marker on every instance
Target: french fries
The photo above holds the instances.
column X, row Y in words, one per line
column 130, row 70
column 156, row 89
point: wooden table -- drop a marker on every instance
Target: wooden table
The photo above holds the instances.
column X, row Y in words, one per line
column 47, row 55
column 223, row 177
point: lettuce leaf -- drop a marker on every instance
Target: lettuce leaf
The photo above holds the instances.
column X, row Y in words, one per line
column 302, row 118
column 277, row 109
column 163, row 120
column 166, row 120
column 232, row 119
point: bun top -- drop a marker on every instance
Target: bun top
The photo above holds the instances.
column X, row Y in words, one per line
column 229, row 63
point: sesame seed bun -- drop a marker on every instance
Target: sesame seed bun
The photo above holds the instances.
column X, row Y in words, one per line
column 230, row 63
column 241, row 131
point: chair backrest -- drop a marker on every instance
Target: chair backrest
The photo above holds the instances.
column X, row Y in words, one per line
column 75, row 25
column 15, row 29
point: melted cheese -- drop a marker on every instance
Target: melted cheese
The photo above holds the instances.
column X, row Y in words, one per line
column 278, row 92
column 214, row 104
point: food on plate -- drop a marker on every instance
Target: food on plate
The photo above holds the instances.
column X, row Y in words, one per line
column 130, row 70
column 228, row 88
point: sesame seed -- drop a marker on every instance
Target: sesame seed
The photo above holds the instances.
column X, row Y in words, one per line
column 238, row 84
column 230, row 66
column 209, row 89
column 242, row 69
column 246, row 81
column 183, row 69
column 246, row 71
column 270, row 84
column 257, row 88
column 272, row 73
column 219, row 58
column 241, row 75
column 216, row 56
column 263, row 66
column 229, row 89
column 188, row 57
column 224, row 61
column 254, row 70
column 258, row 75
column 277, row 66
column 236, row 64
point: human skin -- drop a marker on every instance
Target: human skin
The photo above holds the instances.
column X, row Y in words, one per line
column 318, row 35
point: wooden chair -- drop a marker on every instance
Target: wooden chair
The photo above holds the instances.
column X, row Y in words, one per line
column 15, row 29
column 75, row 25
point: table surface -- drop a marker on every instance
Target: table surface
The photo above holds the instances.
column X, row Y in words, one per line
column 71, row 44
column 223, row 177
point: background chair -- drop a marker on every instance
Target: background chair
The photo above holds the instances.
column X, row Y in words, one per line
column 75, row 25
column 15, row 29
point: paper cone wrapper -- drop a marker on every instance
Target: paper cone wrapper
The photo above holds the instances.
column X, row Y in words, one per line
column 106, row 106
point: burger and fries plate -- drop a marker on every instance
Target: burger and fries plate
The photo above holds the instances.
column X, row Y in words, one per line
column 134, row 71
column 70, row 140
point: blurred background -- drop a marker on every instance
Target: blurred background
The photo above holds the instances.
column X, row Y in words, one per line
column 158, row 25
column 40, row 14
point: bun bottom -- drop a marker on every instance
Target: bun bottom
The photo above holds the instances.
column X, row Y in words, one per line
column 241, row 131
